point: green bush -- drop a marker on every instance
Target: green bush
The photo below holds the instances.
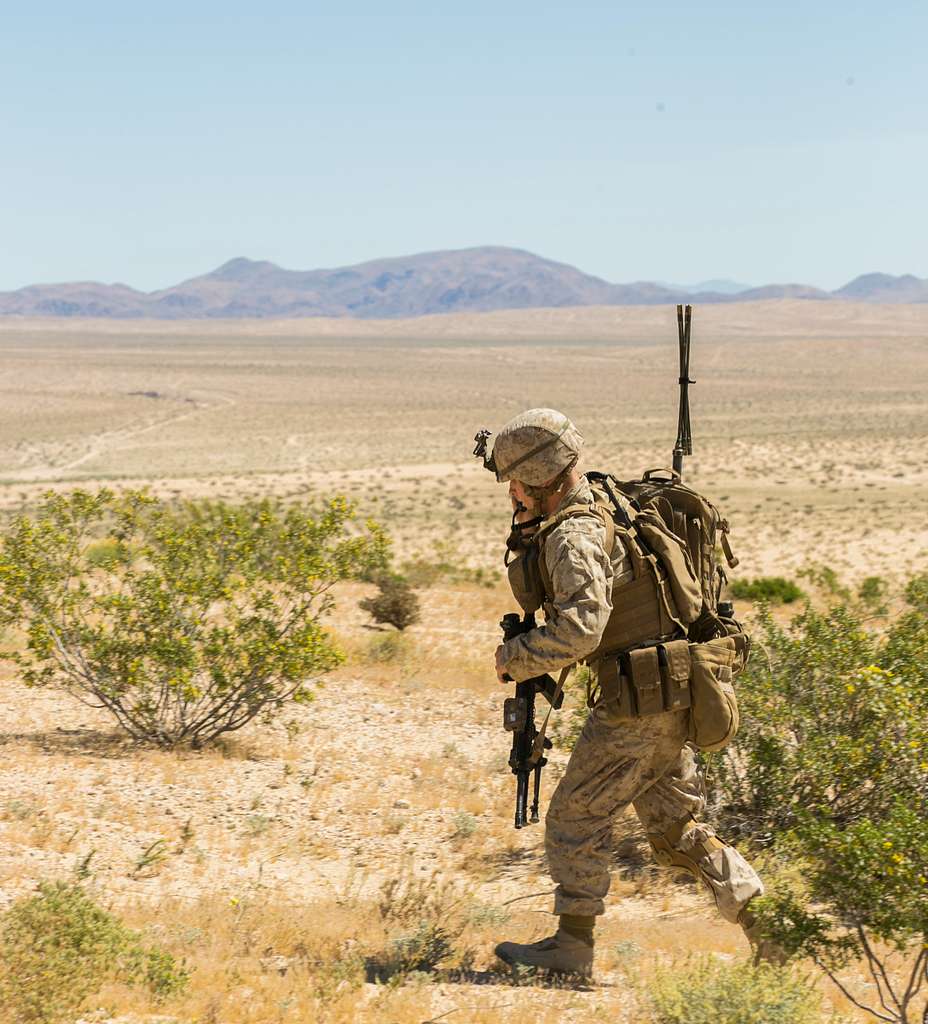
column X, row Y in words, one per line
column 772, row 589
column 183, row 621
column 58, row 948
column 830, row 769
column 388, row 649
column 833, row 722
column 872, row 593
column 465, row 825
column 706, row 991
column 395, row 602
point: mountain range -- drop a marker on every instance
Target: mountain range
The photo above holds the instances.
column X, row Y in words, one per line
column 454, row 281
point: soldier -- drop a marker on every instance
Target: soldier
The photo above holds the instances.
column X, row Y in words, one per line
column 618, row 760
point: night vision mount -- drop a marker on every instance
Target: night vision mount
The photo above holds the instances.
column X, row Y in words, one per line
column 480, row 450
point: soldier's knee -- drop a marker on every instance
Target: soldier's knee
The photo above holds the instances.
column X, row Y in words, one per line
column 687, row 845
column 696, row 849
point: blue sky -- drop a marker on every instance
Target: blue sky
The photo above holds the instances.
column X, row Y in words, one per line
column 675, row 142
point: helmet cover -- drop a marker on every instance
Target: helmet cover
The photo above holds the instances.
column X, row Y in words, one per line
column 536, row 447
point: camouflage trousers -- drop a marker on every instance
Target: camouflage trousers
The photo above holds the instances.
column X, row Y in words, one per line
column 644, row 762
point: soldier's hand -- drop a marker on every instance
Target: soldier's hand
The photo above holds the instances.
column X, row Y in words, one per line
column 500, row 671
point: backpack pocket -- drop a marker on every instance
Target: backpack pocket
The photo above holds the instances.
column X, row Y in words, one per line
column 714, row 711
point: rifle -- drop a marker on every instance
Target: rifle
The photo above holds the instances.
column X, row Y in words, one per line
column 684, row 445
column 519, row 719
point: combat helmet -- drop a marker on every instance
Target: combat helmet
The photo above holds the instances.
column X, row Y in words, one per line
column 537, row 447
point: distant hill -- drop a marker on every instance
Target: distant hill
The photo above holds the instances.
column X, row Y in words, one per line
column 885, row 288
column 455, row 281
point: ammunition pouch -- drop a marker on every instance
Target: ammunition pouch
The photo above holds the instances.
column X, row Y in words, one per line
column 644, row 681
column 672, row 676
column 525, row 579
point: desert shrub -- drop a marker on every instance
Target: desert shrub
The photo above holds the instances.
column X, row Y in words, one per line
column 388, row 649
column 861, row 893
column 830, row 769
column 395, row 602
column 705, row 991
column 832, row 722
column 872, row 593
column 826, row 579
column 423, row 919
column 183, row 621
column 58, row 948
column 772, row 589
column 569, row 722
column 465, row 825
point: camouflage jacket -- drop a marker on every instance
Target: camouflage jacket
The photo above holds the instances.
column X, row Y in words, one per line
column 582, row 576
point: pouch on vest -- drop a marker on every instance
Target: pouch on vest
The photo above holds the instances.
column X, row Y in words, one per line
column 615, row 690
column 525, row 580
column 675, row 670
column 645, row 671
column 714, row 712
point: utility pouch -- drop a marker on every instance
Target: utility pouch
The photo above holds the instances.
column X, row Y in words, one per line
column 515, row 714
column 615, row 691
column 525, row 579
column 645, row 671
column 714, row 715
column 675, row 674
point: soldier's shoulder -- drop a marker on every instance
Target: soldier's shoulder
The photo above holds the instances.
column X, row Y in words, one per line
column 579, row 529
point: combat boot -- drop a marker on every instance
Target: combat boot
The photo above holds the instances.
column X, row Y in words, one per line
column 766, row 950
column 568, row 951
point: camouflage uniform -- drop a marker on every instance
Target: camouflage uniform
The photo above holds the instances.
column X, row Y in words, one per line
column 616, row 761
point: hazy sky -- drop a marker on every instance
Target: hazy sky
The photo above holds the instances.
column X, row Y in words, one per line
column 670, row 141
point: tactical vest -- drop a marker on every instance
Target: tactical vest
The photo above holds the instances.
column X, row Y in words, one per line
column 659, row 602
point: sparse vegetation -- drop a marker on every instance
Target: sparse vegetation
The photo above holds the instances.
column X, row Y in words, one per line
column 199, row 618
column 772, row 589
column 872, row 593
column 395, row 602
column 445, row 564
column 705, row 991
column 465, row 825
column 830, row 770
column 59, row 948
column 252, row 895
column 423, row 919
column 388, row 649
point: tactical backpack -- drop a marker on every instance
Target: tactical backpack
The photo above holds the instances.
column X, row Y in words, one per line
column 718, row 646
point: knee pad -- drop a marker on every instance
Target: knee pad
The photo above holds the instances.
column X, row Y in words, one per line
column 695, row 849
column 684, row 847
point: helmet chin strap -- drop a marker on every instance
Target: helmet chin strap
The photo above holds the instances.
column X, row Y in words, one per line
column 539, row 494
